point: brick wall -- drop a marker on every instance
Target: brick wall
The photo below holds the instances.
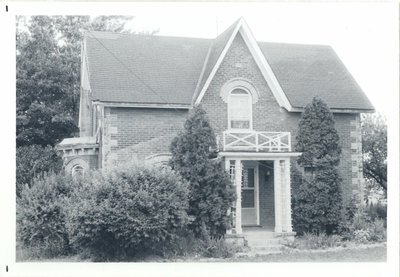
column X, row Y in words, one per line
column 134, row 133
column 88, row 161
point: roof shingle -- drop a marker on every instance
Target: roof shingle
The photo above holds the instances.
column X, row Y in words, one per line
column 156, row 69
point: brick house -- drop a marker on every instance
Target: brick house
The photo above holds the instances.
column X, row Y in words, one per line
column 136, row 92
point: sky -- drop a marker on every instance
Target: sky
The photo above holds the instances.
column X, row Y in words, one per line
column 363, row 35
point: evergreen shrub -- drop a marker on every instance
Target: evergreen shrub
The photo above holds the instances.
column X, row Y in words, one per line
column 317, row 195
column 211, row 192
column 129, row 211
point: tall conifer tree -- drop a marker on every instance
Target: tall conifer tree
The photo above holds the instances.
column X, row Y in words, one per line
column 317, row 197
column 210, row 189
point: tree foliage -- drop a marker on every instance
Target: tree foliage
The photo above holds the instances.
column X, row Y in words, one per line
column 34, row 160
column 211, row 193
column 48, row 50
column 374, row 147
column 317, row 138
column 48, row 74
column 317, row 198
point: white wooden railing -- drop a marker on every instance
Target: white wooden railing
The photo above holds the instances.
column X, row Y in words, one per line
column 256, row 141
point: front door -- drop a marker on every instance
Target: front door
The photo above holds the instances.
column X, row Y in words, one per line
column 250, row 212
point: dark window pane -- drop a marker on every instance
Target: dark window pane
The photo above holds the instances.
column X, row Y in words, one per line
column 250, row 173
column 239, row 91
column 240, row 124
column 248, row 199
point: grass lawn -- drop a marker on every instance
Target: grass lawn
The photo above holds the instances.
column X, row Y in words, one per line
column 370, row 254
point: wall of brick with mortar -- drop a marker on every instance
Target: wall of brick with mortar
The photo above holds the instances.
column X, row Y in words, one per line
column 90, row 159
column 128, row 132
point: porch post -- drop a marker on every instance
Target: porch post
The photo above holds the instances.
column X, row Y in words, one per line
column 278, row 196
column 238, row 184
column 288, row 198
column 228, row 212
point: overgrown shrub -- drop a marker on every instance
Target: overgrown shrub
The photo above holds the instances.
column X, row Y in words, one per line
column 211, row 192
column 40, row 216
column 364, row 228
column 129, row 211
column 34, row 160
column 361, row 236
column 315, row 241
column 377, row 230
column 377, row 211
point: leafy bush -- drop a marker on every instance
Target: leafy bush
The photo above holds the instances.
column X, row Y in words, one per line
column 377, row 230
column 364, row 228
column 211, row 192
column 41, row 218
column 34, row 160
column 315, row 241
column 218, row 248
column 361, row 236
column 128, row 211
column 377, row 211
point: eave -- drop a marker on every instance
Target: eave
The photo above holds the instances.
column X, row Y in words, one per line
column 335, row 110
column 142, row 105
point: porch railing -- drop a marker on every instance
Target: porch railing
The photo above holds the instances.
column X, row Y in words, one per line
column 256, row 141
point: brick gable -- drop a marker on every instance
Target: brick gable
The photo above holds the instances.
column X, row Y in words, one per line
column 268, row 116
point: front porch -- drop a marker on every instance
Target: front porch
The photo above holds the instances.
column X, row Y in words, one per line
column 259, row 167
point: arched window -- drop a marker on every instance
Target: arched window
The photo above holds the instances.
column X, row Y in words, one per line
column 240, row 109
column 77, row 171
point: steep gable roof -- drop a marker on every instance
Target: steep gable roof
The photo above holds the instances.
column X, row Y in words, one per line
column 305, row 71
column 215, row 51
column 143, row 69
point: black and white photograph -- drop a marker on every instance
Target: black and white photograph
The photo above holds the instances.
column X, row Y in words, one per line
column 230, row 134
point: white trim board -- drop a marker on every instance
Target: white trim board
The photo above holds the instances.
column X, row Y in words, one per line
column 142, row 105
column 258, row 155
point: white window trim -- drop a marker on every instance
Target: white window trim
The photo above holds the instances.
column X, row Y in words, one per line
column 251, row 110
column 239, row 83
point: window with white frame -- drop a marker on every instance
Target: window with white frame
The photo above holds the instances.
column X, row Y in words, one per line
column 240, row 109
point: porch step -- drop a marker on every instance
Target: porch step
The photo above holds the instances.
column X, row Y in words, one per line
column 263, row 242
